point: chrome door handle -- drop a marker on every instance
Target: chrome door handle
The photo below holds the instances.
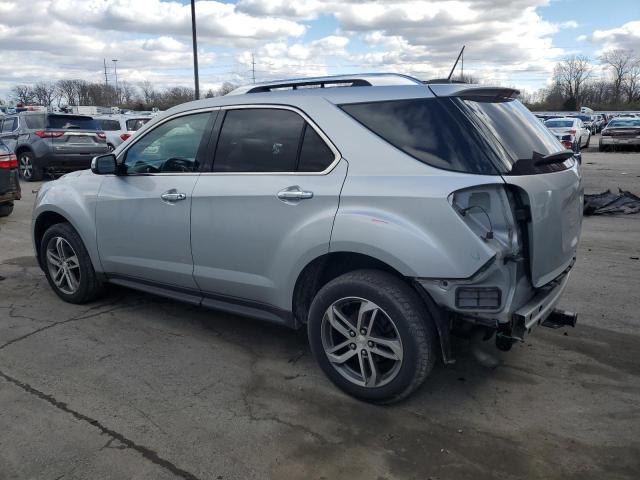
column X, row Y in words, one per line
column 294, row 193
column 173, row 196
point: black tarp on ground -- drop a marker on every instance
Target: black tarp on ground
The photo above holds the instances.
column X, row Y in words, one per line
column 611, row 203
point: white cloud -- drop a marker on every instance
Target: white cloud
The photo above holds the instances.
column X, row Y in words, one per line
column 626, row 37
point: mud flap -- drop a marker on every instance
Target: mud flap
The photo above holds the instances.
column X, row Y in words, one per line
column 441, row 320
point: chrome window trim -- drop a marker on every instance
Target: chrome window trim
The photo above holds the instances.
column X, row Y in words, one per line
column 305, row 117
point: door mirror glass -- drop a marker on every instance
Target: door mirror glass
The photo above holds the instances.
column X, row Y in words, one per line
column 104, row 164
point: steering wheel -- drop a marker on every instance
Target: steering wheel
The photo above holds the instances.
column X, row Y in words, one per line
column 178, row 164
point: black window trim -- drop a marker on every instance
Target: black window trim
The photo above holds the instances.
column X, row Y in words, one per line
column 305, row 117
column 202, row 148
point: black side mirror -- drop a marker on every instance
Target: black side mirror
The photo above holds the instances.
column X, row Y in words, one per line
column 104, row 164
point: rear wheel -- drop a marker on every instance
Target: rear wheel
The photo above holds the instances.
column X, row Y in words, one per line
column 111, row 147
column 586, row 145
column 372, row 335
column 67, row 265
column 28, row 170
column 6, row 209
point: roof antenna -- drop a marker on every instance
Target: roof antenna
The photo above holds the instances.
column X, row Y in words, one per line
column 455, row 64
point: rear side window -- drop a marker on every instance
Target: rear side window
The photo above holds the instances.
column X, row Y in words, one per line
column 8, row 125
column 72, row 122
column 315, row 155
column 35, row 122
column 430, row 130
column 258, row 140
column 109, row 125
column 134, row 124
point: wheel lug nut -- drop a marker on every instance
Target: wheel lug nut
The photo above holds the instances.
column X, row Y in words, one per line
column 352, row 333
column 364, row 353
column 370, row 343
column 352, row 346
column 363, row 331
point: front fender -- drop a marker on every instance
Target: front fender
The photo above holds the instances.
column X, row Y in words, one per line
column 73, row 198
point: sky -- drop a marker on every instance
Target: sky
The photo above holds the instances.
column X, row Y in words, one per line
column 508, row 42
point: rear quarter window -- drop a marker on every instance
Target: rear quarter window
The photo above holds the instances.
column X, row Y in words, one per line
column 35, row 122
column 430, row 130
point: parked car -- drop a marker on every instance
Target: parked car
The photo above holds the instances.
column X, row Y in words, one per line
column 381, row 218
column 52, row 143
column 621, row 132
column 587, row 121
column 598, row 122
column 572, row 126
column 9, row 183
column 120, row 127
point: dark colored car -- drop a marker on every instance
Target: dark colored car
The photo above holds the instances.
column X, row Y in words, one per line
column 52, row 143
column 9, row 183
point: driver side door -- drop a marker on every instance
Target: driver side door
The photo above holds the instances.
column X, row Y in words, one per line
column 143, row 214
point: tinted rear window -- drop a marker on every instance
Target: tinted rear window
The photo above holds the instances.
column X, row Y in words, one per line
column 624, row 123
column 72, row 122
column 431, row 130
column 315, row 155
column 109, row 125
column 559, row 123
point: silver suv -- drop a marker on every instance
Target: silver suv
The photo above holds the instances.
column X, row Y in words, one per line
column 382, row 214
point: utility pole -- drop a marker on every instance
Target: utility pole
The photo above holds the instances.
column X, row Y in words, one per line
column 115, row 71
column 195, row 48
column 253, row 68
column 106, row 81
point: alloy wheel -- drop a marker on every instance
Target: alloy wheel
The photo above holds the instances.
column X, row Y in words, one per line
column 361, row 342
column 63, row 265
column 26, row 166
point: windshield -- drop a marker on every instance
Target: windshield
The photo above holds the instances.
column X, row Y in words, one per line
column 72, row 122
column 559, row 123
column 624, row 123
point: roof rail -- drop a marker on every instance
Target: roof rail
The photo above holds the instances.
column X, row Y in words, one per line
column 357, row 80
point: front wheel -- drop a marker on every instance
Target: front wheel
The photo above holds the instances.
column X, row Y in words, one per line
column 67, row 265
column 372, row 335
column 6, row 209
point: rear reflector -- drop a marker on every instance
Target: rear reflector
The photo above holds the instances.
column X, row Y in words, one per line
column 48, row 134
column 480, row 298
column 124, row 136
column 8, row 161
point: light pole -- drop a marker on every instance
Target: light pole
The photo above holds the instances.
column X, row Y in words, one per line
column 195, row 47
column 115, row 71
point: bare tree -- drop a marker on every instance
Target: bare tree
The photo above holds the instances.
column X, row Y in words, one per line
column 571, row 75
column 128, row 92
column 44, row 93
column 22, row 94
column 148, row 92
column 225, row 88
column 632, row 83
column 68, row 92
column 619, row 62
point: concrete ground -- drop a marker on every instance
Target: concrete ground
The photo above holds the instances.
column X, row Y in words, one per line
column 136, row 386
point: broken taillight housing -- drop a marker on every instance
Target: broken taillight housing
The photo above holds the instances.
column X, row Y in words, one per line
column 488, row 211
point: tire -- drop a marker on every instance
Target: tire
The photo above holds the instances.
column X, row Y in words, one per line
column 27, row 169
column 601, row 148
column 88, row 286
column 586, row 145
column 400, row 317
column 110, row 147
column 6, row 209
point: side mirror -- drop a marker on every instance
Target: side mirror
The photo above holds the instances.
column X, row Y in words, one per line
column 104, row 164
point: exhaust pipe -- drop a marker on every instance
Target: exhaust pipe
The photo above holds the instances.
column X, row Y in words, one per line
column 560, row 318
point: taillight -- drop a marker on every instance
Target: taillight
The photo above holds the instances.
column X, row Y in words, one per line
column 8, row 161
column 48, row 134
column 101, row 135
column 572, row 131
column 124, row 136
column 567, row 144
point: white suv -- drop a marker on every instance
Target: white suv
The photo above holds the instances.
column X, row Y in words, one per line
column 118, row 128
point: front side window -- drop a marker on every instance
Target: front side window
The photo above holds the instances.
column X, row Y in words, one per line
column 170, row 147
column 258, row 140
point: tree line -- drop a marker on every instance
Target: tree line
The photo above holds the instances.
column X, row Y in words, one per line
column 574, row 84
column 142, row 96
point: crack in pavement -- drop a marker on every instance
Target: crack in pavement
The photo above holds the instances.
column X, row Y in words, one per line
column 81, row 316
column 146, row 452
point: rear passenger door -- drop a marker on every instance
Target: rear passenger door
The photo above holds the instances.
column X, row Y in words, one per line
column 267, row 206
